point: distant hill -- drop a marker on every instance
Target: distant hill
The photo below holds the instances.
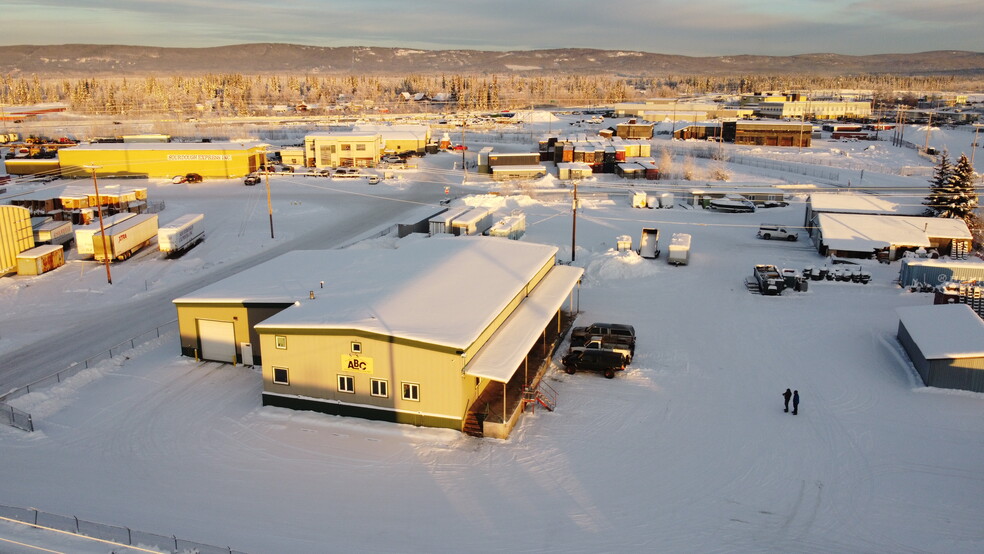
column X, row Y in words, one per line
column 78, row 60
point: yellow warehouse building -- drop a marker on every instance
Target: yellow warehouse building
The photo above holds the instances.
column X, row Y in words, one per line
column 438, row 332
column 222, row 160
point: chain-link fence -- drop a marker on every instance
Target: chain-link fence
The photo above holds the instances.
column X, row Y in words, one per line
column 113, row 533
column 22, row 420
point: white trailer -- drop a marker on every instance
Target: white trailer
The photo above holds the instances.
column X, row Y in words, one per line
column 639, row 199
column 512, row 227
column 123, row 239
column 679, row 253
column 182, row 234
column 649, row 243
column 84, row 234
column 666, row 200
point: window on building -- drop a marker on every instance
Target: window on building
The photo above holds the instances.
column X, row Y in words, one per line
column 346, row 147
column 332, row 149
column 411, row 391
column 281, row 341
column 379, row 387
column 361, row 147
column 357, row 347
column 346, row 383
column 280, row 376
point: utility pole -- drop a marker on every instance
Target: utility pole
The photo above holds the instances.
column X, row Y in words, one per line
column 929, row 127
column 464, row 170
column 269, row 202
column 102, row 226
column 975, row 145
column 574, row 225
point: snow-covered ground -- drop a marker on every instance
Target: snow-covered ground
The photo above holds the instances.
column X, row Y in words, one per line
column 689, row 450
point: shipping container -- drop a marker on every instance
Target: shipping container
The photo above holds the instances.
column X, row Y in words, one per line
column 84, row 233
column 16, row 236
column 124, row 239
column 679, row 253
column 53, row 232
column 639, row 199
column 666, row 200
column 40, row 259
column 182, row 234
column 473, row 222
column 441, row 223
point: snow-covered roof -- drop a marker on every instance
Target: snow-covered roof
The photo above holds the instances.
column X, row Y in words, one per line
column 866, row 233
column 508, row 168
column 96, row 146
column 343, row 134
column 854, row 203
column 395, row 132
column 574, row 165
column 944, row 330
column 440, row 290
column 505, row 351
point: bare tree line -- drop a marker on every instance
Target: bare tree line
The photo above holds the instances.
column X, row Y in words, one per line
column 242, row 95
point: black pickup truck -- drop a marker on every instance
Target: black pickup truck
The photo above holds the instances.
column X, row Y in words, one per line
column 613, row 332
column 594, row 360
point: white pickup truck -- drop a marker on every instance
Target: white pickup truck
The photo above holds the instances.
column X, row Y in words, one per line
column 769, row 231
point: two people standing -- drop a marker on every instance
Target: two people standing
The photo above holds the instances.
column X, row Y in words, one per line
column 796, row 400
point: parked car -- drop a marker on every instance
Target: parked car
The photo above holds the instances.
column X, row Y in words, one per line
column 460, row 147
column 608, row 331
column 347, row 173
column 373, row 180
column 193, row 178
column 251, row 179
column 392, row 159
column 604, row 361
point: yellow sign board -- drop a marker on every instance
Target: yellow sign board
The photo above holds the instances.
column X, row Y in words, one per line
column 360, row 364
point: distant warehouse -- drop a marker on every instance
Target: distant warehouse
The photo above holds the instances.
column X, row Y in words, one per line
column 209, row 159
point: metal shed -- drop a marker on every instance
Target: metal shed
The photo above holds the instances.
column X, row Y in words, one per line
column 945, row 343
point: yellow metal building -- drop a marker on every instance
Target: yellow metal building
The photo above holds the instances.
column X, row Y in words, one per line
column 163, row 160
column 400, row 139
column 342, row 149
column 414, row 335
column 16, row 236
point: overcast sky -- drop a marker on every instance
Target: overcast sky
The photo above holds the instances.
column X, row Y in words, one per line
column 686, row 27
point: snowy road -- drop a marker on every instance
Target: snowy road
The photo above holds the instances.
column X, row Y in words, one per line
column 238, row 236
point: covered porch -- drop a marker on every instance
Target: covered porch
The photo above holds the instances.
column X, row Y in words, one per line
column 516, row 357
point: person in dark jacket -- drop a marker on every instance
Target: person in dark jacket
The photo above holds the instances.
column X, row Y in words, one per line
column 785, row 396
column 796, row 401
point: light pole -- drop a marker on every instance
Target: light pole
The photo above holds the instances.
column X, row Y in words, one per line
column 574, row 224
column 102, row 227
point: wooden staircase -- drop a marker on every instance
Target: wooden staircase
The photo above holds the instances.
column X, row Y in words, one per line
column 473, row 424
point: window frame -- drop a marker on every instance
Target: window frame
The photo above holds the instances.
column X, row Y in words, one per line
column 286, row 372
column 349, row 381
column 375, row 385
column 356, row 347
column 407, row 386
column 280, row 341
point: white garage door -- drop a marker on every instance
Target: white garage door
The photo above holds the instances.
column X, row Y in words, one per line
column 218, row 340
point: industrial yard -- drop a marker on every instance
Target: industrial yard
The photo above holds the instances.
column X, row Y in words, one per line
column 688, row 449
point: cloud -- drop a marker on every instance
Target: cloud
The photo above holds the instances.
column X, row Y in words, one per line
column 696, row 27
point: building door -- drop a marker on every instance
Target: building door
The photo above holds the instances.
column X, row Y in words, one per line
column 218, row 339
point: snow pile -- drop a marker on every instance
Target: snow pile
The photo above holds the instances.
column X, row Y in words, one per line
column 616, row 265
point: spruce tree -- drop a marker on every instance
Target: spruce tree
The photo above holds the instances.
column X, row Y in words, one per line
column 939, row 187
column 963, row 200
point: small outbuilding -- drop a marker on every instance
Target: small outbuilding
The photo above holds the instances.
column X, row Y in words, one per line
column 946, row 345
